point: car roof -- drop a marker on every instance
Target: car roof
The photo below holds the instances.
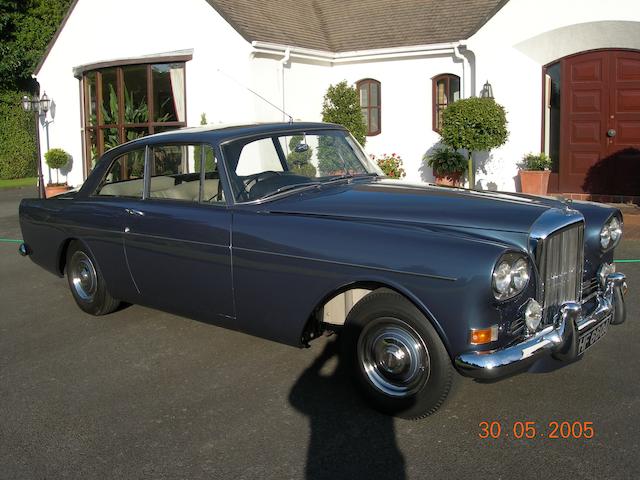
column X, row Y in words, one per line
column 224, row 132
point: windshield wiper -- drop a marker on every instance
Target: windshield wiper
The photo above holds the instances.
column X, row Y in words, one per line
column 349, row 176
column 286, row 188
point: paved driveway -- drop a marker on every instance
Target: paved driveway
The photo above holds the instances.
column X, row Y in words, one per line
column 141, row 393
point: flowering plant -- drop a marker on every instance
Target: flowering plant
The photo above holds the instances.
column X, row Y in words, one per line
column 391, row 165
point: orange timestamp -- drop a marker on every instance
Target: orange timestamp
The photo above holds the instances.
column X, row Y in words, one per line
column 529, row 430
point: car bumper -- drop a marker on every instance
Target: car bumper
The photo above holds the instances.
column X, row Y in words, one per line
column 560, row 339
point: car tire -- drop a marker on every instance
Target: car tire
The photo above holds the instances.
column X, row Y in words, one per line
column 86, row 282
column 399, row 362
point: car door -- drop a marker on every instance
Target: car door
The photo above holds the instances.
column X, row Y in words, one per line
column 98, row 216
column 177, row 238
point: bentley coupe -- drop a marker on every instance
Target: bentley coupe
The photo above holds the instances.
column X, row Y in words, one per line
column 287, row 231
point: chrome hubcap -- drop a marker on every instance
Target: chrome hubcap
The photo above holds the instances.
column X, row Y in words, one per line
column 393, row 357
column 83, row 276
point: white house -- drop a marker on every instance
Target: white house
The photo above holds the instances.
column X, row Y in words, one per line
column 567, row 72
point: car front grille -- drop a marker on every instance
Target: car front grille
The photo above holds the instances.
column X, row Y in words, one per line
column 560, row 264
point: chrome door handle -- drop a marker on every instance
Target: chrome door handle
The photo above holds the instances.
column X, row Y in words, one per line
column 611, row 133
column 132, row 211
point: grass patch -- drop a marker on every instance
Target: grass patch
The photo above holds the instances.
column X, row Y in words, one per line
column 18, row 182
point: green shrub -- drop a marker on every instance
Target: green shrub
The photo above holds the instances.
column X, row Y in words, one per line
column 391, row 165
column 535, row 161
column 474, row 124
column 341, row 105
column 17, row 138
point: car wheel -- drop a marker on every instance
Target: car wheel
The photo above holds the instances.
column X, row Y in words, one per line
column 86, row 283
column 397, row 357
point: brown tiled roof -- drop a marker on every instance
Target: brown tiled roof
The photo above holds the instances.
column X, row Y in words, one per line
column 345, row 25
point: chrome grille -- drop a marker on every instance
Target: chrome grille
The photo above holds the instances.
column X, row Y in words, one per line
column 560, row 263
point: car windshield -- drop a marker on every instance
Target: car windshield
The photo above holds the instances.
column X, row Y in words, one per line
column 266, row 166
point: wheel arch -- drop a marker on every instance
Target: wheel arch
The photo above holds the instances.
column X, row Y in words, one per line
column 316, row 324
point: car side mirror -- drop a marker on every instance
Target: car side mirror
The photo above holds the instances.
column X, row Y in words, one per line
column 301, row 147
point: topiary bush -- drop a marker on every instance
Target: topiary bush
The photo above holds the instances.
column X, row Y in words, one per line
column 474, row 124
column 57, row 158
column 17, row 138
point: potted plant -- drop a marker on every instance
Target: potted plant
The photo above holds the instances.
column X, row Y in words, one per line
column 391, row 165
column 56, row 158
column 534, row 173
column 448, row 165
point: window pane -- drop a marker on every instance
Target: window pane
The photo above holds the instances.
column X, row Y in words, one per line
column 168, row 92
column 365, row 117
column 110, row 138
column 109, row 97
column 136, row 108
column 364, row 95
column 92, row 147
column 168, row 160
column 454, row 87
column 441, row 92
column 122, row 180
column 374, row 124
column 373, row 101
column 90, row 82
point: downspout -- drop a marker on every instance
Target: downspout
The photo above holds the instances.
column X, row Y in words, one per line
column 464, row 94
column 284, row 61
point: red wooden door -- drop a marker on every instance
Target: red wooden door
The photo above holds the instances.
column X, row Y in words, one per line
column 600, row 123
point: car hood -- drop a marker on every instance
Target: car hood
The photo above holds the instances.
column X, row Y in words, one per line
column 393, row 201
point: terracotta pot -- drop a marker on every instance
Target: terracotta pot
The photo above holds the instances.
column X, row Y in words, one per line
column 452, row 180
column 52, row 190
column 535, row 182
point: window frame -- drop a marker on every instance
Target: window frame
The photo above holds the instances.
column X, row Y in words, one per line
column 368, row 82
column 97, row 130
column 434, row 96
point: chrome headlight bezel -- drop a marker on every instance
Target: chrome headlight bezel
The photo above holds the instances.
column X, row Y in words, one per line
column 510, row 276
column 611, row 233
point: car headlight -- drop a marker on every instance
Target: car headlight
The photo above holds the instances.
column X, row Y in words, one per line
column 510, row 275
column 611, row 233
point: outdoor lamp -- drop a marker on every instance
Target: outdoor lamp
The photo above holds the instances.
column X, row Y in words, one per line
column 45, row 103
column 26, row 103
column 487, row 90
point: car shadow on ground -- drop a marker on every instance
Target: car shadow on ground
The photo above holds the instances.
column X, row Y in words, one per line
column 347, row 439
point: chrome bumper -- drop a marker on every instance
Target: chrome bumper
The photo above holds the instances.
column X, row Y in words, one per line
column 560, row 339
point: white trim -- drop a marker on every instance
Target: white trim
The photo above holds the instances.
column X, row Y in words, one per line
column 80, row 69
column 354, row 56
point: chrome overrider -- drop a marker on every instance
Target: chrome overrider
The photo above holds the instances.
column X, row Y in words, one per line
column 560, row 339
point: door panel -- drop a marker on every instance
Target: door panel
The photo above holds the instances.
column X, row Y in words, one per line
column 584, row 111
column 600, row 127
column 179, row 256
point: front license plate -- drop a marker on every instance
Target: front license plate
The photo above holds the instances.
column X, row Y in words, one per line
column 594, row 334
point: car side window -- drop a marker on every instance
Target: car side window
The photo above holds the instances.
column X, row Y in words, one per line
column 125, row 176
column 175, row 173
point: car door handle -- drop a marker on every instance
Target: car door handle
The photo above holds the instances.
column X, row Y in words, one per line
column 132, row 211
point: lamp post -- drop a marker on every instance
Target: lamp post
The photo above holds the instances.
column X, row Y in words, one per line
column 39, row 107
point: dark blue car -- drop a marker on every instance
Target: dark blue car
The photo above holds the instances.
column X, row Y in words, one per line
column 286, row 231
